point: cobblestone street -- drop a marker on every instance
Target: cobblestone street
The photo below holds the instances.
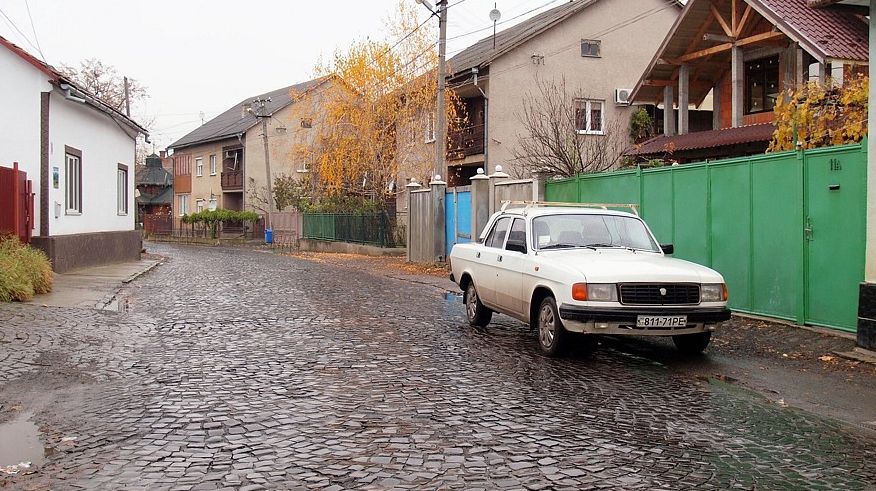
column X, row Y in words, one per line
column 237, row 368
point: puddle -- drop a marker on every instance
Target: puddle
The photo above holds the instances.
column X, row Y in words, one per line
column 20, row 442
column 452, row 296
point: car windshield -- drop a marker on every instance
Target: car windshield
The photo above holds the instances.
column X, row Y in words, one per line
column 592, row 231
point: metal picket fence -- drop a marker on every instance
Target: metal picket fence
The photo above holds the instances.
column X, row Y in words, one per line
column 376, row 229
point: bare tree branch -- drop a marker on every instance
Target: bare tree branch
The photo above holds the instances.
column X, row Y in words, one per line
column 550, row 142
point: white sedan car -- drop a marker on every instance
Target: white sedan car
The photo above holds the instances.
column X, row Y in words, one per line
column 586, row 269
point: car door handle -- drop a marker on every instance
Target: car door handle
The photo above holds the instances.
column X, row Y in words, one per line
column 499, row 259
column 478, row 255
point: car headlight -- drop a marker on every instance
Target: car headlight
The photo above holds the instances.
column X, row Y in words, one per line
column 595, row 292
column 713, row 292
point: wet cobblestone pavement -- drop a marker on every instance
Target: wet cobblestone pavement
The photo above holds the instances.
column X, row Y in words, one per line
column 242, row 369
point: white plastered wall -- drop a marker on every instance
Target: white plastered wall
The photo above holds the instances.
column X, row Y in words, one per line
column 104, row 145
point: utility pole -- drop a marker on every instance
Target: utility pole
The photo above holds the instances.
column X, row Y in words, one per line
column 260, row 113
column 438, row 186
column 127, row 98
column 441, row 121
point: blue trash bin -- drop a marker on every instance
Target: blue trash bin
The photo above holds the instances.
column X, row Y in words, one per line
column 269, row 236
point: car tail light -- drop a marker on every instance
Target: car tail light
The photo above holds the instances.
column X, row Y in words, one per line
column 579, row 291
column 725, row 293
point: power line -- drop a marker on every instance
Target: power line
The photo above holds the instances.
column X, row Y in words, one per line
column 503, row 22
column 619, row 25
column 23, row 36
column 32, row 28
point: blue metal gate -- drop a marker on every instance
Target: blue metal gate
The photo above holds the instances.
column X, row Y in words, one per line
column 457, row 218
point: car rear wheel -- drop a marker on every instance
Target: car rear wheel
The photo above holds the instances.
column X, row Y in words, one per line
column 692, row 344
column 478, row 315
column 553, row 338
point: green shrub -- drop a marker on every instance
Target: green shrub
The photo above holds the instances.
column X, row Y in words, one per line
column 24, row 271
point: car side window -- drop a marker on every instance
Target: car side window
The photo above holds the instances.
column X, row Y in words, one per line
column 497, row 236
column 517, row 236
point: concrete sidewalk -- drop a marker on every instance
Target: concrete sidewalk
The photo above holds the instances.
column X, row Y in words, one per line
column 93, row 288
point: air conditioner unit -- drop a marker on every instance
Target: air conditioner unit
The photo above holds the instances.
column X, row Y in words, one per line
column 622, row 96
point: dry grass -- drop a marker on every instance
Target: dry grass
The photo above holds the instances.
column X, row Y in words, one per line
column 369, row 262
column 24, row 271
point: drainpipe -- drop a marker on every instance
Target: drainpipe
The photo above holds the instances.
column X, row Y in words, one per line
column 474, row 72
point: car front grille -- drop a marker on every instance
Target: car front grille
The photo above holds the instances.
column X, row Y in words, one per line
column 659, row 294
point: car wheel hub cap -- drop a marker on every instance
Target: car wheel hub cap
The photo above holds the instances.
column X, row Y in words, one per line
column 546, row 326
column 472, row 302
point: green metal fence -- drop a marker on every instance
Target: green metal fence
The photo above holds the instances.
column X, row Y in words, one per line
column 785, row 229
column 371, row 228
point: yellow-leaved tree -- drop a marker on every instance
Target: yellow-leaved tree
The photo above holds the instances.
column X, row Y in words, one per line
column 817, row 115
column 391, row 91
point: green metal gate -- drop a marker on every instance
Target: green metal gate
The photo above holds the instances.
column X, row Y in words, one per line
column 785, row 229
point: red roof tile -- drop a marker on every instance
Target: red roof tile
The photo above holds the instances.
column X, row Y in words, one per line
column 839, row 31
column 705, row 139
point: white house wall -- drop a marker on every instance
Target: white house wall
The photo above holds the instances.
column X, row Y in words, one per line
column 103, row 145
column 20, row 87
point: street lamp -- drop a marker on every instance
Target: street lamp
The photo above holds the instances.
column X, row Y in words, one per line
column 427, row 5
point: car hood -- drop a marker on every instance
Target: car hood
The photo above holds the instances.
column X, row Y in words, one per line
column 623, row 265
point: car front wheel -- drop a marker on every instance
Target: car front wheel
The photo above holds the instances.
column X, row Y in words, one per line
column 552, row 336
column 692, row 344
column 478, row 315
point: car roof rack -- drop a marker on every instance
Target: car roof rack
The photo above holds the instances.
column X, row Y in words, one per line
column 604, row 206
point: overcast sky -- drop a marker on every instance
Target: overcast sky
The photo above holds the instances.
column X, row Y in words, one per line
column 205, row 56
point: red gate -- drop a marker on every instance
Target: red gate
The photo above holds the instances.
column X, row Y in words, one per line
column 16, row 203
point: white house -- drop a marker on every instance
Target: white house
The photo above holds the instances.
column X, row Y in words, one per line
column 79, row 154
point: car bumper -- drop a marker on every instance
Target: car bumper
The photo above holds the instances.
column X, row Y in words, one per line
column 616, row 321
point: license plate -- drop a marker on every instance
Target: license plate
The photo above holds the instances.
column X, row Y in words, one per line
column 661, row 321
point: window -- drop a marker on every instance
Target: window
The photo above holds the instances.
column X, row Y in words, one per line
column 122, row 191
column 761, row 84
column 73, row 178
column 589, row 116
column 183, row 204
column 212, row 165
column 430, row 127
column 200, row 205
column 590, row 48
column 497, row 235
column 517, row 236
column 591, row 230
column 199, row 167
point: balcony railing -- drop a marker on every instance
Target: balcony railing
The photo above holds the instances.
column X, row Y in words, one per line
column 232, row 180
column 465, row 141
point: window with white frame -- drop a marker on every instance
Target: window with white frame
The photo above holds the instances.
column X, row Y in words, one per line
column 199, row 204
column 122, row 191
column 589, row 116
column 183, row 204
column 199, row 166
column 430, row 127
column 212, row 165
column 73, row 178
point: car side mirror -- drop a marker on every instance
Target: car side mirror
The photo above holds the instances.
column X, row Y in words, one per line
column 516, row 247
column 668, row 249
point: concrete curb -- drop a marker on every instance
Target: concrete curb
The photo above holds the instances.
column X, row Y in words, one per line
column 858, row 354
column 144, row 271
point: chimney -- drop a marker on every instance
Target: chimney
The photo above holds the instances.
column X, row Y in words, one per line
column 162, row 154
